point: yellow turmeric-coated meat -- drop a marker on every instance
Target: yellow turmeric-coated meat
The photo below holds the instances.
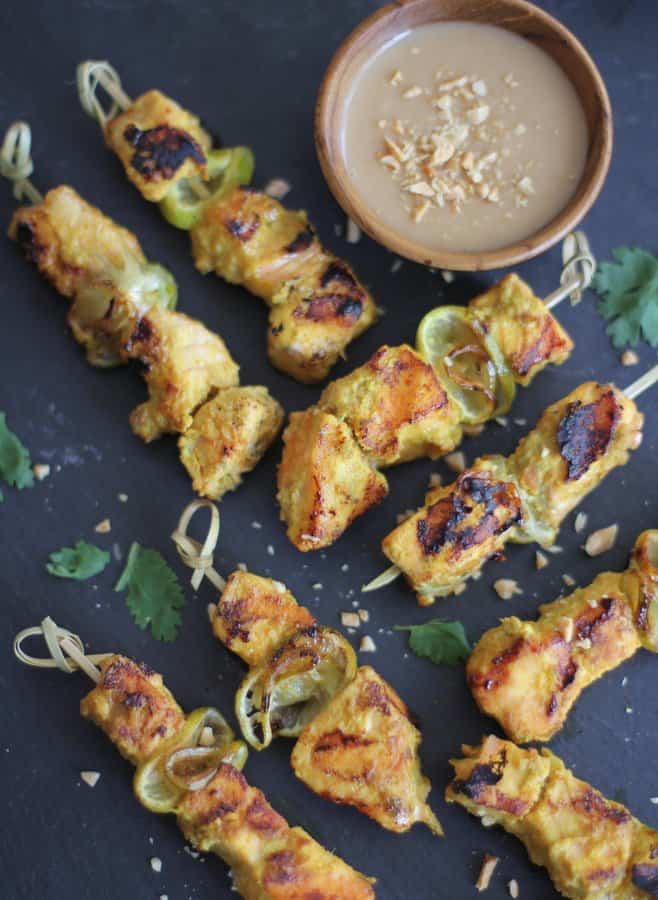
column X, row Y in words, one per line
column 591, row 847
column 158, row 143
column 460, row 527
column 226, row 816
column 362, row 750
column 122, row 309
column 527, row 333
column 228, row 436
column 576, row 443
column 133, row 707
column 522, row 498
column 317, row 304
column 324, row 479
column 528, row 675
column 255, row 616
column 396, row 407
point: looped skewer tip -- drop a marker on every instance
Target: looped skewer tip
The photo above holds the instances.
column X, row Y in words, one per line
column 194, row 554
column 578, row 268
column 92, row 75
column 16, row 161
column 67, row 652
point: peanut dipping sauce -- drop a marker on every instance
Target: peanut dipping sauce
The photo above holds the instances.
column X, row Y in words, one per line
column 464, row 136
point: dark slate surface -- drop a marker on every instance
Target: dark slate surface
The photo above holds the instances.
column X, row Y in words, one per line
column 251, row 70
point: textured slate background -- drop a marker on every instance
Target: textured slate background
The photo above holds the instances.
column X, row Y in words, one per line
column 251, row 70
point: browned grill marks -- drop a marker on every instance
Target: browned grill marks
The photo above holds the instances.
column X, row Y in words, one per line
column 546, row 344
column 338, row 740
column 592, row 803
column 330, row 307
column 585, row 433
column 483, row 775
column 161, row 151
column 338, row 273
column 243, row 230
column 302, row 242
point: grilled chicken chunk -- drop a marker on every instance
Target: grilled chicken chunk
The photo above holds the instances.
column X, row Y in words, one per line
column 255, row 616
column 133, row 707
column 576, row 443
column 528, row 334
column 396, row 408
column 460, row 527
column 269, row 859
column 362, row 750
column 121, row 310
column 317, row 304
column 324, row 479
column 592, row 847
column 528, row 675
column 158, row 143
column 356, row 742
column 228, row 436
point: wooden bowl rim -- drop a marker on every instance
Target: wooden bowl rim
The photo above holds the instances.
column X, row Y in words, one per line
column 468, row 261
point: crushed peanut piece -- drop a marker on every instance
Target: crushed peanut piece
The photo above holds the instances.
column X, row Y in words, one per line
column 474, row 430
column 489, row 864
column 568, row 580
column 412, row 92
column 364, row 615
column 541, row 560
column 567, row 628
column 367, row 644
column 602, row 540
column 435, row 480
column 506, row 588
column 455, row 461
column 513, row 888
column 479, row 88
column 353, row 235
column 277, row 188
column 350, row 619
column 395, row 78
column 156, row 864
column 629, row 358
column 580, row 522
column 447, row 276
column 90, row 778
column 41, row 471
column 555, row 549
column 103, row 527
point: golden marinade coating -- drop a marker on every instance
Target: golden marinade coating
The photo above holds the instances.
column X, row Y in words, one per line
column 528, row 334
column 324, row 479
column 84, row 255
column 461, row 526
column 133, row 707
column 255, row 616
column 158, row 143
column 184, row 363
column 317, row 304
column 227, row 437
column 268, row 859
column 528, row 675
column 396, row 407
column 362, row 750
column 592, row 847
column 576, row 443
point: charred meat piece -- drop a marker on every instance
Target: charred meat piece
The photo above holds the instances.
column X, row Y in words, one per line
column 158, row 143
column 591, row 846
column 362, row 750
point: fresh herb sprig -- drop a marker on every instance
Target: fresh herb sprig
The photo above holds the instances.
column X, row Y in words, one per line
column 155, row 597
column 629, row 291
column 80, row 562
column 439, row 640
column 15, row 462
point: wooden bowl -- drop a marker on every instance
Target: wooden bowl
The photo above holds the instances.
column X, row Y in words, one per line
column 518, row 16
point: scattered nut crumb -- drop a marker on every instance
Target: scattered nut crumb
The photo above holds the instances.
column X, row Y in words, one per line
column 41, row 471
column 567, row 628
column 353, row 235
column 521, row 422
column 103, row 527
column 455, row 461
column 435, row 480
column 602, row 540
column 345, row 567
column 256, row 525
column 653, row 800
column 90, row 778
column 555, row 548
column 277, row 188
column 447, row 276
column 541, row 560
column 242, row 567
column 364, row 615
column 474, row 430
column 396, row 265
column 122, row 498
column 513, row 888
column 395, row 78
column 270, row 550
column 367, row 644
column 506, row 588
column 410, row 93
column 629, row 358
column 404, row 515
column 156, row 864
column 580, row 522
column 568, row 580
column 503, row 421
column 461, row 587
column 479, row 88
column 350, row 619
column 489, row 864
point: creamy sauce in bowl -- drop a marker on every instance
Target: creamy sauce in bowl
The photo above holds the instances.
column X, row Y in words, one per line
column 463, row 137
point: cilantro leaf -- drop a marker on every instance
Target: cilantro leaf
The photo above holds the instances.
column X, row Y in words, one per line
column 15, row 462
column 439, row 640
column 629, row 291
column 155, row 597
column 80, row 562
